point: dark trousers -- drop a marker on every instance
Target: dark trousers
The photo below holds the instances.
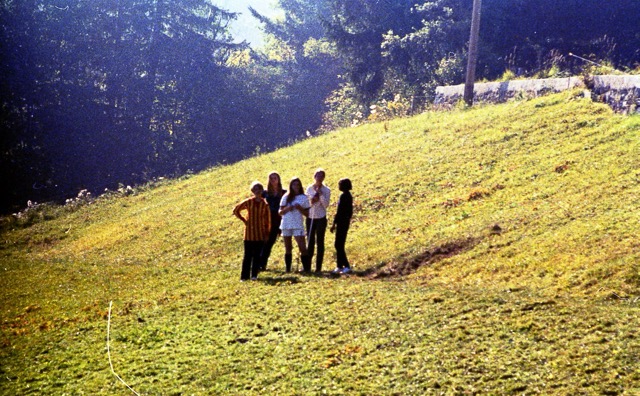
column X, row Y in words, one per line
column 251, row 261
column 316, row 229
column 340, row 242
column 273, row 236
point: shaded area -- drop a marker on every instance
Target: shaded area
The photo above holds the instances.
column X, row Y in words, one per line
column 410, row 265
column 274, row 281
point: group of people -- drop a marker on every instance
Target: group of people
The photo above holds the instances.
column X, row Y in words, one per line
column 296, row 214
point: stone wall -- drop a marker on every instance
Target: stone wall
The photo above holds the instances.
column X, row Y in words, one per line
column 622, row 93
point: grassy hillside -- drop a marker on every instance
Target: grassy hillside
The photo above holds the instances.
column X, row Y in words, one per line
column 495, row 250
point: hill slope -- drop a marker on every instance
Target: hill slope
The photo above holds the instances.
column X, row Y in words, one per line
column 466, row 209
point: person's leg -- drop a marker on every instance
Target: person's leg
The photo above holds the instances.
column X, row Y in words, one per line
column 246, row 262
column 256, row 261
column 304, row 256
column 288, row 259
column 288, row 245
column 311, row 235
column 288, row 248
column 266, row 249
column 321, row 230
column 340, row 242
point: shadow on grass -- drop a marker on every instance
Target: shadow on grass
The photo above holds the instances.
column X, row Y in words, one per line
column 277, row 280
column 402, row 267
column 408, row 265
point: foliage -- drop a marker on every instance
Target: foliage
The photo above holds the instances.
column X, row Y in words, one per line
column 431, row 53
column 495, row 252
column 343, row 109
column 522, row 34
column 100, row 93
column 409, row 49
column 358, row 27
column 387, row 110
column 105, row 89
column 103, row 93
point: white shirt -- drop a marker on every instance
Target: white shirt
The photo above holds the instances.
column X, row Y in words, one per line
column 319, row 209
column 293, row 220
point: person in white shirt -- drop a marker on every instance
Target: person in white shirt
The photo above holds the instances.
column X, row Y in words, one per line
column 293, row 206
column 320, row 196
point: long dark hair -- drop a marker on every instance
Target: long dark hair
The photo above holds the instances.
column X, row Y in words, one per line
column 270, row 190
column 291, row 195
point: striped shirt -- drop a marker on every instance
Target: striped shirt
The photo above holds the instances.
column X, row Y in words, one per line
column 257, row 220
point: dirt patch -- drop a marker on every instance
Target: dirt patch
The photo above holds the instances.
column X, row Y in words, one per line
column 410, row 265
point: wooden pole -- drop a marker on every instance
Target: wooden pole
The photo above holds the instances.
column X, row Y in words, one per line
column 473, row 53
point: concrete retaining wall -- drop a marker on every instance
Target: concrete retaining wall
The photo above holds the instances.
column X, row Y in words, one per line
column 622, row 93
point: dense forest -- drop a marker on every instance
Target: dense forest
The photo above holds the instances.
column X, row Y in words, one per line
column 100, row 93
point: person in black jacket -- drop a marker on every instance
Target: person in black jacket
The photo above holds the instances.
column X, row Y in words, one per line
column 340, row 225
column 273, row 195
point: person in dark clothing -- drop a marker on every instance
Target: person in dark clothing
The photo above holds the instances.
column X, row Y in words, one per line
column 273, row 195
column 340, row 226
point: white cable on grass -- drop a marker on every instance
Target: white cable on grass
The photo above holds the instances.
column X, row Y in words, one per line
column 109, row 351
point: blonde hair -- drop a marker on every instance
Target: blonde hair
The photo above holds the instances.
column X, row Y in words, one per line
column 256, row 184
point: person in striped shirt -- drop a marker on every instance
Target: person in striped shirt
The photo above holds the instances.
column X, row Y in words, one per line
column 256, row 232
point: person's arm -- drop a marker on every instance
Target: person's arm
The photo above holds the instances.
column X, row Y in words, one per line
column 267, row 217
column 285, row 209
column 312, row 194
column 337, row 215
column 348, row 208
column 304, row 207
column 239, row 208
column 345, row 210
column 325, row 197
column 283, row 206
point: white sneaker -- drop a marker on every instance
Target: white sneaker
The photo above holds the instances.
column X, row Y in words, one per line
column 336, row 271
column 345, row 270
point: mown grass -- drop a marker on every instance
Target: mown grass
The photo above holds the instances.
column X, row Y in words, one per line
column 442, row 301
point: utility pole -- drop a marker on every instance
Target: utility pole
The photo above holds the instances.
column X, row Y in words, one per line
column 473, row 53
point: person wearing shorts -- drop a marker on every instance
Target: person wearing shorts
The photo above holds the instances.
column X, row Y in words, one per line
column 293, row 207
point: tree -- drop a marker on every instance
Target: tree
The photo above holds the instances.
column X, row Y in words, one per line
column 431, row 53
column 358, row 28
column 306, row 64
column 109, row 91
column 523, row 34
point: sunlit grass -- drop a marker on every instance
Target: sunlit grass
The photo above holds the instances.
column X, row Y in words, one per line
column 548, row 304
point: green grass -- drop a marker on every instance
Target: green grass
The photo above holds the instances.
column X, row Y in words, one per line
column 439, row 303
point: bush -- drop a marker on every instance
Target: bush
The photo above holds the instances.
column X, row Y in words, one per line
column 344, row 109
column 34, row 213
column 386, row 110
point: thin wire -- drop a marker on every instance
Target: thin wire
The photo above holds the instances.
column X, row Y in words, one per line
column 109, row 351
column 590, row 61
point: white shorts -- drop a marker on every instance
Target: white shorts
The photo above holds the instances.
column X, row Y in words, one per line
column 296, row 232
